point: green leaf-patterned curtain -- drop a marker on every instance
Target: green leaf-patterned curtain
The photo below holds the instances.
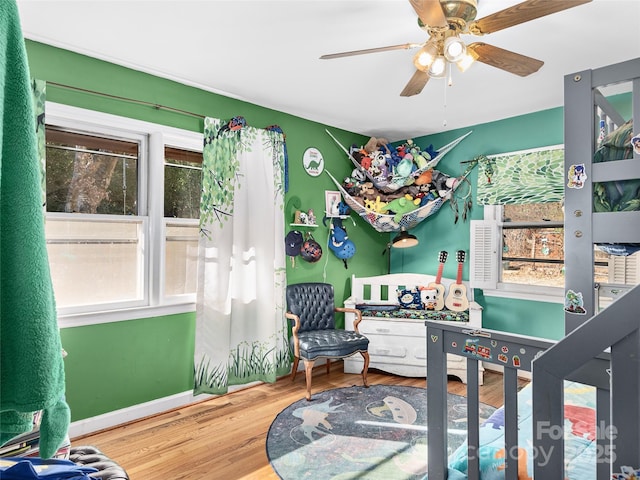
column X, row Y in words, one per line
column 39, row 90
column 241, row 330
column 529, row 176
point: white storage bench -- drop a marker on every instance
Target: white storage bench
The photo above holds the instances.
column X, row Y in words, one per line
column 397, row 337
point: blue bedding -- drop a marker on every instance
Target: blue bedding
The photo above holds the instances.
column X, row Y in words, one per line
column 580, row 436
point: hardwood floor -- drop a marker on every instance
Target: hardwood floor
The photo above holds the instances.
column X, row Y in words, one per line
column 225, row 437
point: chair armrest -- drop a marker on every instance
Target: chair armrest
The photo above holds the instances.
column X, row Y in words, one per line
column 294, row 332
column 355, row 311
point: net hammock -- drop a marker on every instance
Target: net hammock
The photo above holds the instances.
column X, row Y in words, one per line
column 394, row 222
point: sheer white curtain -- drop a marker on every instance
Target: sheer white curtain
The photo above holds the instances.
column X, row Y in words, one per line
column 241, row 331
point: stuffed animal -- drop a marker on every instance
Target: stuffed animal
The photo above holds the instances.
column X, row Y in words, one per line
column 355, row 153
column 425, row 197
column 424, row 178
column 365, row 162
column 431, row 152
column 343, row 209
column 418, row 158
column 367, row 190
column 428, row 297
column 378, row 169
column 378, row 158
column 402, row 171
column 311, row 217
column 358, row 175
column 376, row 205
column 349, row 185
column 375, row 144
column 410, row 299
column 402, row 205
column 443, row 183
column 393, row 159
column 372, row 145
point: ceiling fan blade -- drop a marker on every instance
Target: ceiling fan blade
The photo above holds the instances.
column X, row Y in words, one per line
column 404, row 46
column 505, row 60
column 416, row 84
column 521, row 13
column 430, row 12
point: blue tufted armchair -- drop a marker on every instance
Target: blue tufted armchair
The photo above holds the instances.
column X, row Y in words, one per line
column 311, row 307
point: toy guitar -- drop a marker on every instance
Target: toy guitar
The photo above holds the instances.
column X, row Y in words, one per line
column 457, row 298
column 437, row 286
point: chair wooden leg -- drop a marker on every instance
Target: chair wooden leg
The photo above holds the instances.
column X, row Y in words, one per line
column 308, row 371
column 365, row 368
column 296, row 360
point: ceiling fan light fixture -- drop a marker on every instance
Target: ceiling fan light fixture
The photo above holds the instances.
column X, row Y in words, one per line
column 467, row 60
column 425, row 57
column 454, row 48
column 438, row 68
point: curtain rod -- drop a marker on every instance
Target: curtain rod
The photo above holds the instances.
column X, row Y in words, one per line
column 157, row 106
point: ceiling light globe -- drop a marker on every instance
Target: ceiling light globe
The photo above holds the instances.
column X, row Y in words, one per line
column 454, row 49
column 424, row 58
column 438, row 68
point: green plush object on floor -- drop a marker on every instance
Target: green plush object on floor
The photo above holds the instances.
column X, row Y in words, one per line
column 31, row 363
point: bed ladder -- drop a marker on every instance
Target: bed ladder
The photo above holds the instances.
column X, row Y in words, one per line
column 614, row 334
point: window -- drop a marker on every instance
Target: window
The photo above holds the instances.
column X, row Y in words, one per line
column 122, row 213
column 182, row 183
column 91, row 174
column 182, row 188
column 518, row 251
column 533, row 244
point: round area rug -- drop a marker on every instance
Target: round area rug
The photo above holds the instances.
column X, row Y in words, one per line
column 378, row 432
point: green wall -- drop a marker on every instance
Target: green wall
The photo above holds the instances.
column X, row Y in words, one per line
column 117, row 365
column 439, row 232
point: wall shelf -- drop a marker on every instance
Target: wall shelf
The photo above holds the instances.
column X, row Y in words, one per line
column 307, row 225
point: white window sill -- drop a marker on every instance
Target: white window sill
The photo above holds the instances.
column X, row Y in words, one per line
column 95, row 318
column 526, row 292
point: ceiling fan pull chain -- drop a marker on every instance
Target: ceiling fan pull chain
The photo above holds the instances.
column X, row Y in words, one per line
column 444, row 107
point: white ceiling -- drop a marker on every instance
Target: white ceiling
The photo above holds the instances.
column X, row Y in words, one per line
column 266, row 52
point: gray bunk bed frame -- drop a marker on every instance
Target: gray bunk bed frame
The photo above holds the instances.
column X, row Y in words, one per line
column 601, row 348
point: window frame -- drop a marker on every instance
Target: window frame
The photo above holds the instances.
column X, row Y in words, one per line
column 486, row 259
column 150, row 210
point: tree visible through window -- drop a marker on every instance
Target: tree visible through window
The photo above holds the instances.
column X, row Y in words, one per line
column 89, row 174
column 122, row 208
column 520, row 248
column 182, row 183
column 182, row 189
column 533, row 244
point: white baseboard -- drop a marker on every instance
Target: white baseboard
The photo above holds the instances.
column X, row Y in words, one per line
column 137, row 412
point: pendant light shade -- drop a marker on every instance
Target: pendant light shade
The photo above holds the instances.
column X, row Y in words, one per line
column 404, row 240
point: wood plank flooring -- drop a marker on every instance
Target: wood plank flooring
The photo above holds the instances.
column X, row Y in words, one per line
column 224, row 438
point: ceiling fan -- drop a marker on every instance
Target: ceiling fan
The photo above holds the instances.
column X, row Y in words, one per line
column 446, row 20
